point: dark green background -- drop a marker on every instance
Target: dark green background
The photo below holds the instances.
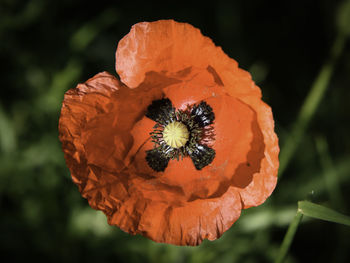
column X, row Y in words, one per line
column 47, row 47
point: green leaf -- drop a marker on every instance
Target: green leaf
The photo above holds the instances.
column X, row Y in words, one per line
column 323, row 213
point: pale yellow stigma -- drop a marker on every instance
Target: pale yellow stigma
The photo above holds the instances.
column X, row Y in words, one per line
column 175, row 134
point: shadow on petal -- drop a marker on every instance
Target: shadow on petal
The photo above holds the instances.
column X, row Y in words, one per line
column 244, row 173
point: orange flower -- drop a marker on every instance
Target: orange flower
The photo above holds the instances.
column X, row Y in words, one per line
column 177, row 147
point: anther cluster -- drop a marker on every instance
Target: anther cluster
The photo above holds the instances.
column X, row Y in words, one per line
column 194, row 124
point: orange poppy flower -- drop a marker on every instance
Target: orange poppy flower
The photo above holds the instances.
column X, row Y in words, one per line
column 179, row 145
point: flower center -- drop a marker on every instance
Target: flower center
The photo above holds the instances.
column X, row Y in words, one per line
column 176, row 134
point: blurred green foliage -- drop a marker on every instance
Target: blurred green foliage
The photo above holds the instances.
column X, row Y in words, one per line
column 47, row 47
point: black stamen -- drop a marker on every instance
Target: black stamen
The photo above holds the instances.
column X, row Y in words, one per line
column 197, row 120
column 161, row 111
column 201, row 156
column 156, row 160
column 203, row 114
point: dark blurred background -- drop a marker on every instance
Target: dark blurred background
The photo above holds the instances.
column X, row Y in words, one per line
column 47, row 47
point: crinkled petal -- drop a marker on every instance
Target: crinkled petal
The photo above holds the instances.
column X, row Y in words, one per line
column 94, row 127
column 169, row 46
column 90, row 123
column 93, row 142
column 191, row 223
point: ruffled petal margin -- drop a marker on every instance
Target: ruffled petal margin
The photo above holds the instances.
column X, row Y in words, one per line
column 169, row 46
column 264, row 177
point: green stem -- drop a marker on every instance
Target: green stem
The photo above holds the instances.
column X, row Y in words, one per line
column 288, row 238
column 311, row 104
column 330, row 174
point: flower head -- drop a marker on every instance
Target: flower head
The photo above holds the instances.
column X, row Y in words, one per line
column 177, row 147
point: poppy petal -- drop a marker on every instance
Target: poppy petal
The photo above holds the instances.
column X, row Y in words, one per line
column 197, row 86
column 88, row 123
column 263, row 182
column 169, row 46
column 88, row 127
column 192, row 222
column 94, row 127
